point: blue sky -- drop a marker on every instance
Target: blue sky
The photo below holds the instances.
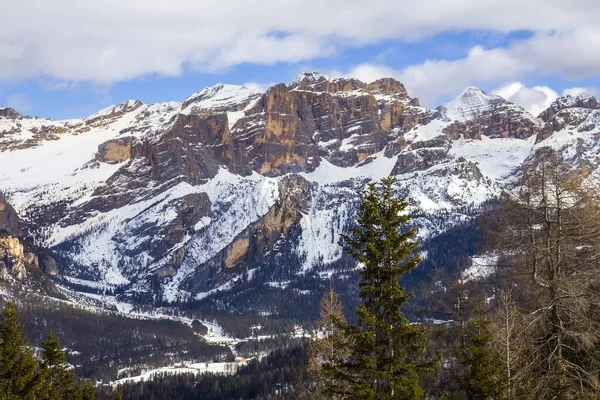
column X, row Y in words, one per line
column 69, row 59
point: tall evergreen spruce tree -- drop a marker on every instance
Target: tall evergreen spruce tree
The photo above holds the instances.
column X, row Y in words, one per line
column 387, row 354
column 85, row 392
column 59, row 382
column 19, row 379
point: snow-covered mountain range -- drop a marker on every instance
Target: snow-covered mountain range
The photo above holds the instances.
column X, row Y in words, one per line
column 233, row 188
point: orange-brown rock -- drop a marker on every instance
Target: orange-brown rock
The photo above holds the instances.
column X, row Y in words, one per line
column 12, row 254
column 237, row 250
column 9, row 220
column 115, row 151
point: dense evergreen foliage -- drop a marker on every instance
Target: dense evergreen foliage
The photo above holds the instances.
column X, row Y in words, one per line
column 24, row 377
column 480, row 373
column 19, row 375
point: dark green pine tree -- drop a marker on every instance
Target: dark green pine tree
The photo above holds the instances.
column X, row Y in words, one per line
column 19, row 379
column 85, row 392
column 58, row 381
column 387, row 358
column 481, row 377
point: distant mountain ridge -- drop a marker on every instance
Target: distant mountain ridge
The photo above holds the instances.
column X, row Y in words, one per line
column 232, row 188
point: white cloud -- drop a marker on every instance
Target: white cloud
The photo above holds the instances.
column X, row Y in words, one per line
column 112, row 40
column 576, row 91
column 565, row 54
column 259, row 86
column 366, row 72
column 535, row 99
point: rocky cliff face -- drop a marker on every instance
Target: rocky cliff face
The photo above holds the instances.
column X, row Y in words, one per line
column 7, row 112
column 9, row 219
column 579, row 113
column 20, row 260
column 179, row 201
column 477, row 113
column 12, row 259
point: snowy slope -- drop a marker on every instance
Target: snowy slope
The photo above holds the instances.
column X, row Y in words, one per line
column 219, row 97
column 470, row 103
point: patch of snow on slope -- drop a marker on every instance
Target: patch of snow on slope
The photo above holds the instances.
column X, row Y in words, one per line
column 481, row 267
column 331, row 209
column 422, row 133
column 115, row 108
column 446, row 187
column 235, row 116
column 332, row 205
column 109, row 241
column 577, row 144
column 219, row 96
column 496, row 158
column 220, row 368
column 327, row 173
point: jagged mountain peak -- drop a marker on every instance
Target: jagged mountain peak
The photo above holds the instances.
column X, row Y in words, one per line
column 220, row 96
column 115, row 110
column 579, row 112
column 317, row 82
column 8, row 112
column 310, row 78
column 579, row 101
column 469, row 103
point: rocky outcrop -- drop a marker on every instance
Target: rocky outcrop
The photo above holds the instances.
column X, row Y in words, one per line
column 566, row 102
column 164, row 242
column 13, row 258
column 50, row 267
column 502, row 121
column 115, row 151
column 192, row 149
column 7, row 112
column 193, row 212
column 475, row 113
column 9, row 220
column 273, row 139
column 313, row 81
column 421, row 156
column 37, row 135
column 19, row 258
column 113, row 112
column 580, row 113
